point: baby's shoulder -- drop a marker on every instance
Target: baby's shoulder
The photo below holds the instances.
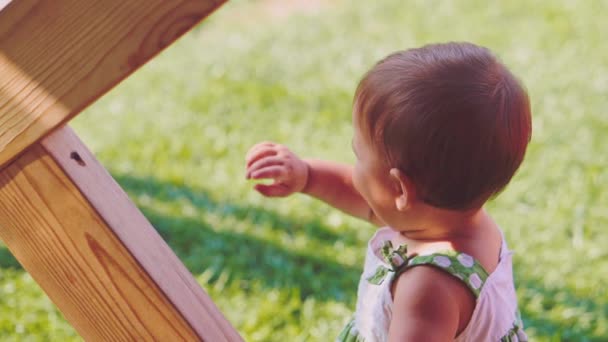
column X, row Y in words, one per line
column 433, row 298
column 428, row 282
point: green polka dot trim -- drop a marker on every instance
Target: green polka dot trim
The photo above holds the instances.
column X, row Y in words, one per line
column 460, row 265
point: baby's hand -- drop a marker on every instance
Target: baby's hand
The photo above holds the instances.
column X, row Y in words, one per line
column 268, row 160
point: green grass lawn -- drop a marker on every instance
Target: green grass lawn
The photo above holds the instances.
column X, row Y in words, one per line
column 174, row 135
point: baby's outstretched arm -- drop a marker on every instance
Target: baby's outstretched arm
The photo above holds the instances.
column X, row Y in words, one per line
column 332, row 183
column 328, row 181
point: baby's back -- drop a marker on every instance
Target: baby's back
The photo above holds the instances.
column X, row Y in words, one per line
column 496, row 315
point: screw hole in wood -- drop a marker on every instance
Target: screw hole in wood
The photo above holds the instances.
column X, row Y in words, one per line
column 74, row 155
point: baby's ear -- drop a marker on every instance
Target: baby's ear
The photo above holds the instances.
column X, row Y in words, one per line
column 404, row 194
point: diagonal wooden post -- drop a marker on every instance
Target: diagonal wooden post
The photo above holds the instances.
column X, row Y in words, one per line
column 61, row 214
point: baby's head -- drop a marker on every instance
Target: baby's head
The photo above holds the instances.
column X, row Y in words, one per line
column 449, row 117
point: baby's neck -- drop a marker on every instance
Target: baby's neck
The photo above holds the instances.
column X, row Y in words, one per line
column 442, row 225
column 476, row 235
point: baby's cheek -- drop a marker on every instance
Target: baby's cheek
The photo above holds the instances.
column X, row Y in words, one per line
column 381, row 196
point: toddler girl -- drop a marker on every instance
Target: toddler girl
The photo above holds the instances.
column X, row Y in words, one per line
column 438, row 131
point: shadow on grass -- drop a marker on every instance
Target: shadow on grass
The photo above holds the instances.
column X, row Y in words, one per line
column 246, row 258
column 167, row 192
column 7, row 260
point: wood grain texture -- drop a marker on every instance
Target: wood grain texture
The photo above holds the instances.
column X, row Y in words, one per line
column 58, row 56
column 96, row 256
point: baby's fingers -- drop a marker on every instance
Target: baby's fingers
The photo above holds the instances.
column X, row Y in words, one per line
column 260, row 150
column 275, row 190
column 275, row 172
column 264, row 162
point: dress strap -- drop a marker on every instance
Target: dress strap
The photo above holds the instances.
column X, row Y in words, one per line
column 459, row 265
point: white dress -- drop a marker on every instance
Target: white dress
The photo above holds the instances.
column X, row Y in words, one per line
column 495, row 318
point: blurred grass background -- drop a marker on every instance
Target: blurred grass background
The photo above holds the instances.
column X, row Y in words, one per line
column 174, row 135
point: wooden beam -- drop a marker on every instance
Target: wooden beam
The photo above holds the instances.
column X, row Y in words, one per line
column 96, row 256
column 58, row 56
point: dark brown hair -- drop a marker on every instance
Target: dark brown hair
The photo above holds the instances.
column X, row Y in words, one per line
column 451, row 117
